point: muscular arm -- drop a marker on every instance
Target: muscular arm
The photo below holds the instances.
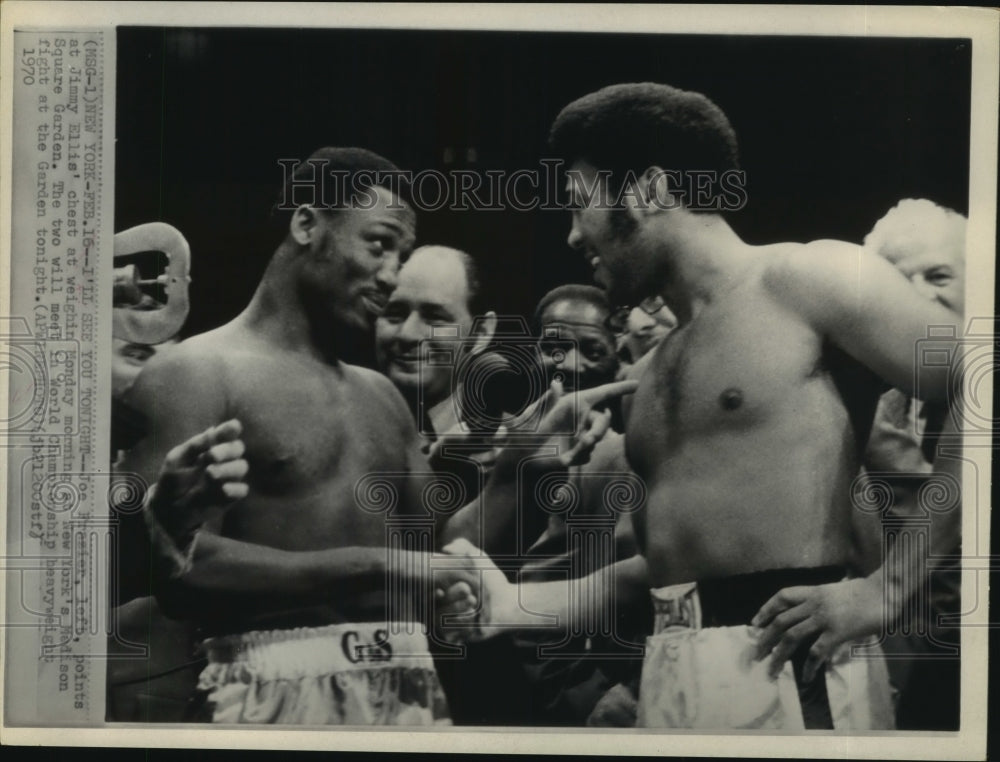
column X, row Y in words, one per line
column 866, row 307
column 857, row 608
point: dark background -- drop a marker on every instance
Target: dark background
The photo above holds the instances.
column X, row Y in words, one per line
column 833, row 132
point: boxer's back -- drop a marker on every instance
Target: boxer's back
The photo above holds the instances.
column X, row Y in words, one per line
column 741, row 432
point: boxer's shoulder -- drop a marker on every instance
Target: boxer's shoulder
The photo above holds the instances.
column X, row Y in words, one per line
column 373, row 383
column 190, row 366
column 812, row 278
column 790, row 264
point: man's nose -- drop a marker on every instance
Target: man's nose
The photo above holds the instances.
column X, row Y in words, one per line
column 411, row 330
column 642, row 322
column 387, row 275
column 575, row 238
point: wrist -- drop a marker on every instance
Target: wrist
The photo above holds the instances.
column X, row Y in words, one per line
column 883, row 598
column 168, row 516
column 176, row 549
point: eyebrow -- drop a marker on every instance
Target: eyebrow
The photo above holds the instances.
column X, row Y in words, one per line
column 389, row 222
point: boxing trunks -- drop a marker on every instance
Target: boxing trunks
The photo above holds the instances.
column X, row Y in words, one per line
column 700, row 669
column 345, row 674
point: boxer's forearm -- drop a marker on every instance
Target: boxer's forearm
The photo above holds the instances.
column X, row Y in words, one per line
column 571, row 604
column 570, row 600
column 225, row 567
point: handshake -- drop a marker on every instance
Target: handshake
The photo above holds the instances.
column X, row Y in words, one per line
column 473, row 598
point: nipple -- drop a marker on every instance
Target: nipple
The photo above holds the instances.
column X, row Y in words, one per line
column 731, row 399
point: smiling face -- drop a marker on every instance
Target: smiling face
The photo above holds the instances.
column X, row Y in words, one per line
column 936, row 267
column 925, row 242
column 354, row 262
column 576, row 344
column 431, row 299
column 607, row 237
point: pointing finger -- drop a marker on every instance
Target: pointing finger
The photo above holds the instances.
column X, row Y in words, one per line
column 607, row 392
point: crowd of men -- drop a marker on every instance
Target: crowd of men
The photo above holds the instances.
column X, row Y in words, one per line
column 665, row 532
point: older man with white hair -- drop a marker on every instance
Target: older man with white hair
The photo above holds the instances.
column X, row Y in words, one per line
column 926, row 242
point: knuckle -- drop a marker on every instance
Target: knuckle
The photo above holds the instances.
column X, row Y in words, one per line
column 784, row 619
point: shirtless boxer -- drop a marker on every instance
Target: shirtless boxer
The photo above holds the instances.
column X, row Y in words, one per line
column 275, row 368
column 290, row 584
column 748, row 427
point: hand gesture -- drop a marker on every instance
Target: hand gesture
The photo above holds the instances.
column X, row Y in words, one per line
column 574, row 423
column 200, row 479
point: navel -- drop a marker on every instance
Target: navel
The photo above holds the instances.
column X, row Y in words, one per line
column 731, row 399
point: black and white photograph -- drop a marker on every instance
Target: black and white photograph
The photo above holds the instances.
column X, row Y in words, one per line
column 615, row 375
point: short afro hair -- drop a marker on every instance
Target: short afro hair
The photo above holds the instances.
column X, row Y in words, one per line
column 628, row 128
column 323, row 178
column 571, row 292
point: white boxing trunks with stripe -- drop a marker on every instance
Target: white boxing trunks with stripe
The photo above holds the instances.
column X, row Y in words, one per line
column 700, row 669
column 344, row 674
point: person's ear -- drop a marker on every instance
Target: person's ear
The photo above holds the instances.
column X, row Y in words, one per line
column 484, row 330
column 659, row 190
column 303, row 225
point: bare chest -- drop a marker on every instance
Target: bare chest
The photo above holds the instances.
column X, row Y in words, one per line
column 307, row 429
column 731, row 369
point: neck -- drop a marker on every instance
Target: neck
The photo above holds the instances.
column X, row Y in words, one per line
column 705, row 259
column 276, row 313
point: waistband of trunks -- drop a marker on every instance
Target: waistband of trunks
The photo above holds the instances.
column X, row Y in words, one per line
column 320, row 651
column 730, row 601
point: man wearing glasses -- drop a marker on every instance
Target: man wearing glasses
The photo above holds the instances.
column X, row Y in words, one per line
column 639, row 330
